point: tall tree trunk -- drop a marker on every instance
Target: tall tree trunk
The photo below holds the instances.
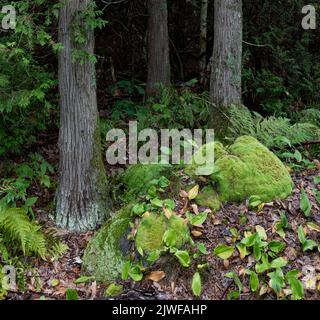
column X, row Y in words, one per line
column 225, row 86
column 203, row 38
column 158, row 47
column 82, row 192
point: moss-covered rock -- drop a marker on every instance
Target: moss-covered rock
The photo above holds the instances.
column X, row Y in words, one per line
column 251, row 169
column 152, row 228
column 107, row 251
column 210, row 152
column 208, row 197
column 138, row 178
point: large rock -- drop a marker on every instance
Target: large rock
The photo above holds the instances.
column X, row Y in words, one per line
column 107, row 251
column 244, row 169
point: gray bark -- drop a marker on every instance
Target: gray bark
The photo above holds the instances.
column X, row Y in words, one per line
column 203, row 38
column 158, row 47
column 82, row 191
column 225, row 87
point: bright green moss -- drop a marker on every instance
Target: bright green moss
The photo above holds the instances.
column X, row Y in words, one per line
column 251, row 169
column 107, row 251
column 138, row 178
column 208, row 197
column 210, row 157
column 151, row 230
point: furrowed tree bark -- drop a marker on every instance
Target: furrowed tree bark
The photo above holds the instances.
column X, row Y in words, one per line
column 225, row 84
column 82, row 192
column 203, row 39
column 158, row 47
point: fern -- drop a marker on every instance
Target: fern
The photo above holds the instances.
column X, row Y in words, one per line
column 266, row 130
column 22, row 235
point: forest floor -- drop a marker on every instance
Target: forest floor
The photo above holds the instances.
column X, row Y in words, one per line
column 50, row 280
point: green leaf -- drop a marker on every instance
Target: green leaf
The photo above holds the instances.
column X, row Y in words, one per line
column 254, row 281
column 193, row 193
column 224, row 252
column 197, row 220
column 301, row 235
column 309, row 245
column 277, row 281
column 114, row 290
column 298, row 156
column 250, row 241
column 135, row 273
column 157, row 202
column 71, row 294
column 184, row 258
column 276, row 246
column 278, row 263
column 170, row 238
column 196, row 284
column 84, row 279
column 235, row 277
column 262, row 233
column 125, row 271
column 305, row 204
column 202, row 248
column 242, row 250
column 297, row 289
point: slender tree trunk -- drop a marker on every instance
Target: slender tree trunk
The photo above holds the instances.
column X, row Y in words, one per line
column 225, row 87
column 158, row 47
column 203, row 39
column 82, row 192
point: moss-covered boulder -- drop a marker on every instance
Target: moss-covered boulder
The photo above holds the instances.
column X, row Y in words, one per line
column 251, row 169
column 208, row 197
column 138, row 178
column 243, row 169
column 107, row 251
column 210, row 152
column 152, row 228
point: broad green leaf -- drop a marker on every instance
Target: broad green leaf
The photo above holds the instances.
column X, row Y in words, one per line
column 223, row 251
column 170, row 238
column 71, row 294
column 305, row 204
column 250, row 241
column 193, row 193
column 309, row 245
column 135, row 273
column 31, row 201
column 197, row 220
column 196, row 284
column 276, row 246
column 114, row 290
column 184, row 258
column 235, row 277
column 257, row 251
column 277, row 281
column 262, row 233
column 278, row 263
column 242, row 250
column 202, row 248
column 297, row 289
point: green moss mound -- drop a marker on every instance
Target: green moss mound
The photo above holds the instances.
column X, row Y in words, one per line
column 208, row 197
column 138, row 178
column 107, row 251
column 152, row 228
column 212, row 151
column 251, row 169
